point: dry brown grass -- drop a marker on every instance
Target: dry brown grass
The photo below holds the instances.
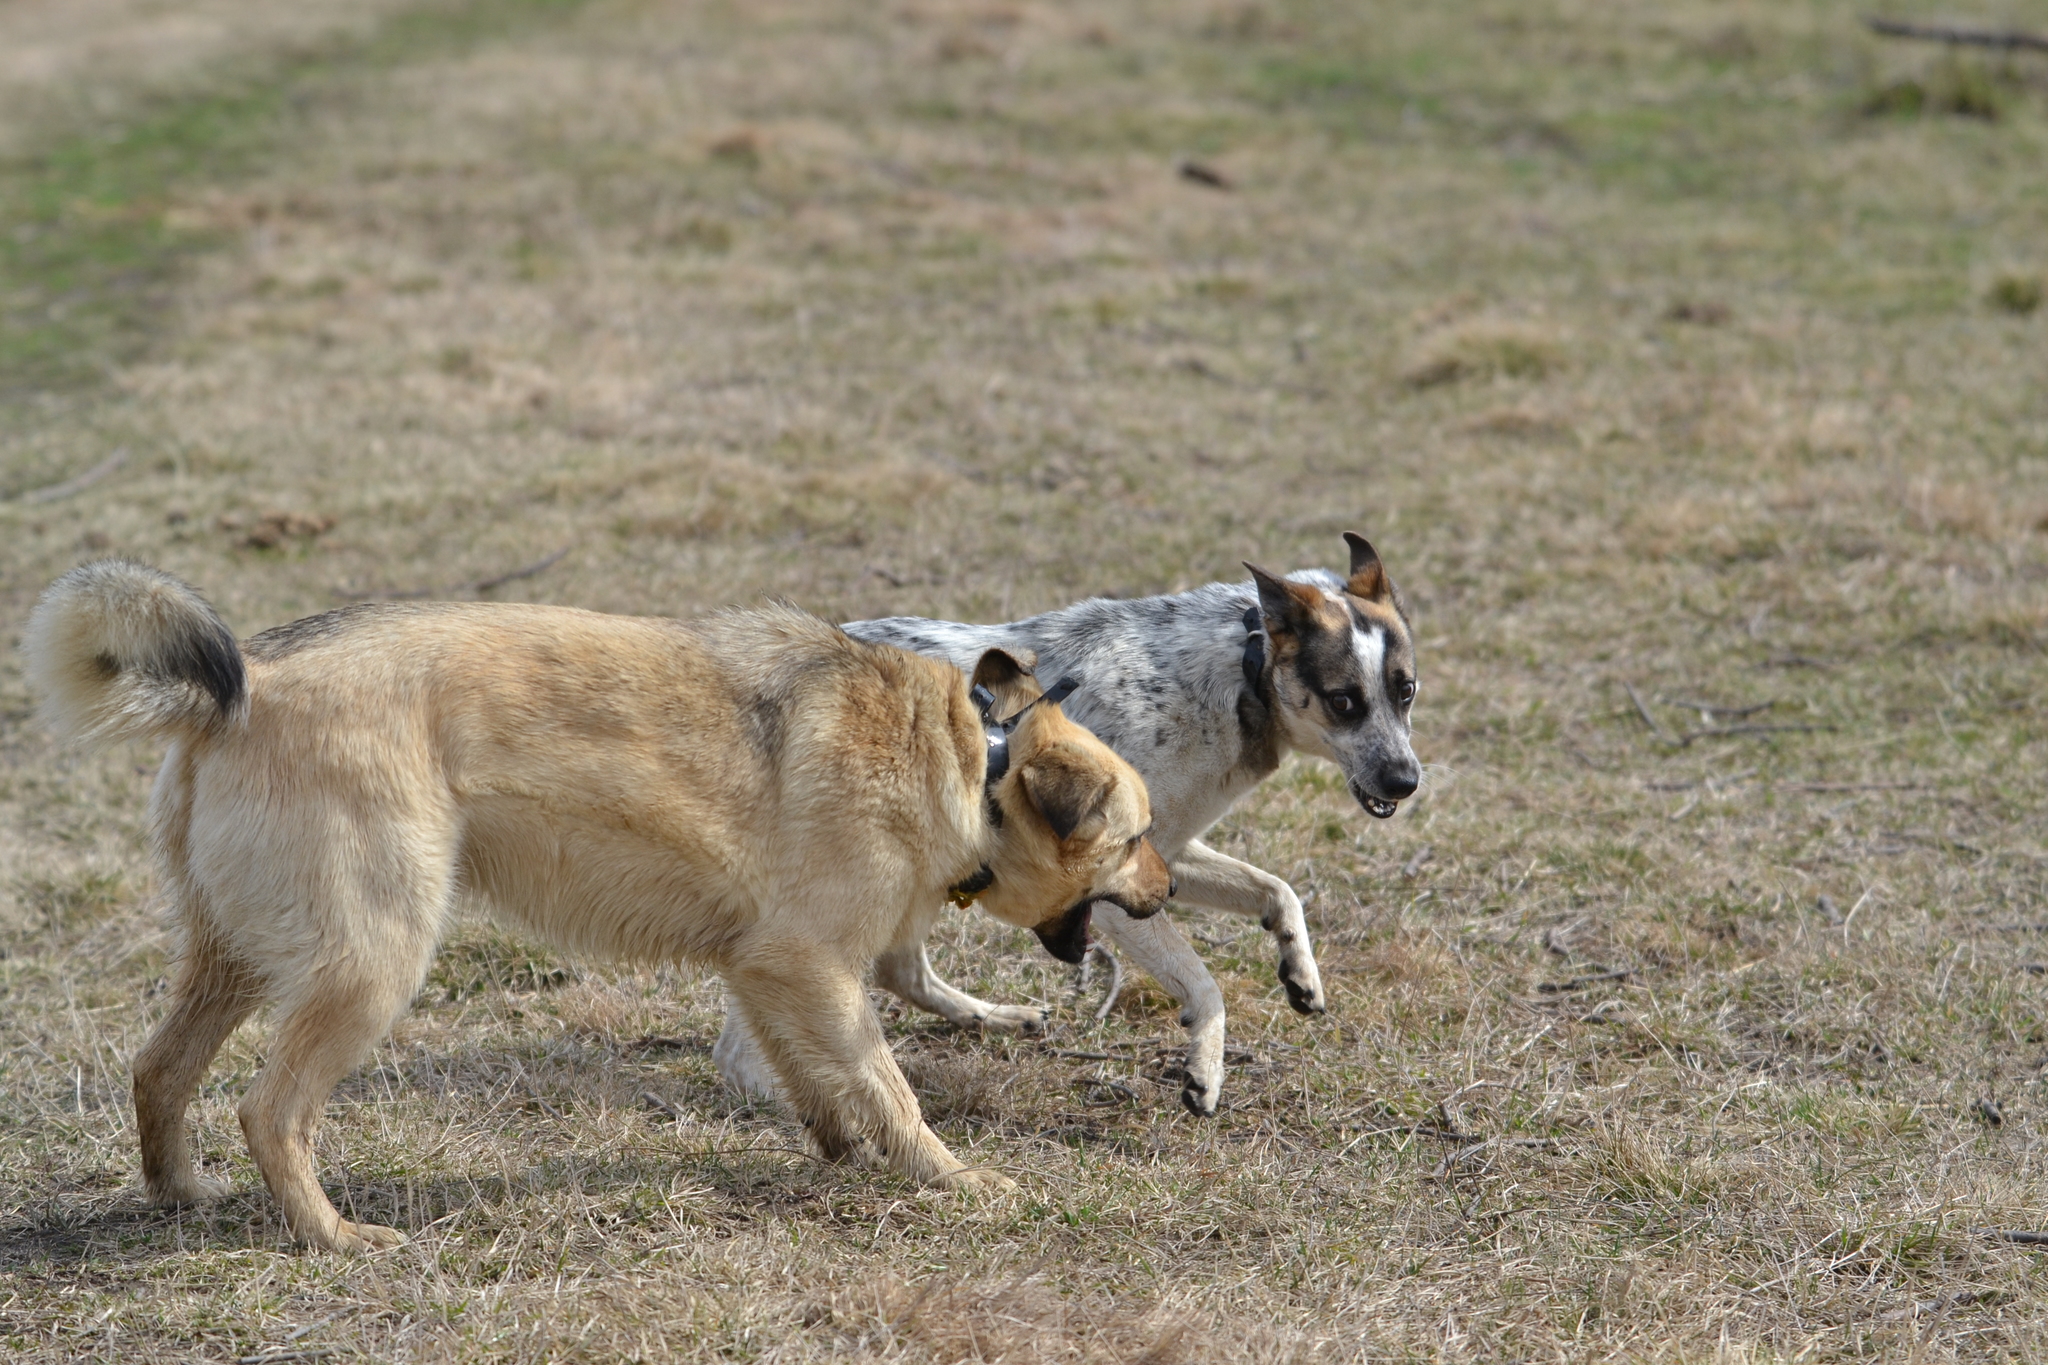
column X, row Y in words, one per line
column 909, row 310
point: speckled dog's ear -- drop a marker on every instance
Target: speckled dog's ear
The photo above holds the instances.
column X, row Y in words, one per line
column 1368, row 576
column 1289, row 608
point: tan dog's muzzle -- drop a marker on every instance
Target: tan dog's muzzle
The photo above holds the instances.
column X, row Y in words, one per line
column 1141, row 891
column 1152, row 885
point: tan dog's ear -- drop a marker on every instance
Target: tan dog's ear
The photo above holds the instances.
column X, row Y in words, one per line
column 1070, row 796
column 1009, row 677
column 1286, row 606
column 1368, row 576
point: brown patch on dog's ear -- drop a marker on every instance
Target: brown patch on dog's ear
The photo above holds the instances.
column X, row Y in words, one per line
column 1286, row 606
column 1070, row 796
column 1368, row 579
column 1010, row 678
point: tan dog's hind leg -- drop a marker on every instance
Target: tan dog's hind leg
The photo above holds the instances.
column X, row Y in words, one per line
column 812, row 1019
column 214, row 993
column 342, row 1012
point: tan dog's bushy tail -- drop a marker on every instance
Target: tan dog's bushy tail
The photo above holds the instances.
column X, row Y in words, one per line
column 119, row 650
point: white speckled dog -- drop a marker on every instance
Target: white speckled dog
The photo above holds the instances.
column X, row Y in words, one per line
column 1203, row 693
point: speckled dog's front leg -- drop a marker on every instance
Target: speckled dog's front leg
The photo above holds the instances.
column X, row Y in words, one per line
column 739, row 1059
column 906, row 973
column 1157, row 946
column 1223, row 883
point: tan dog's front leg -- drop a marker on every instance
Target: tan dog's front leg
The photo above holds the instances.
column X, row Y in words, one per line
column 905, row 973
column 1223, row 883
column 812, row 1019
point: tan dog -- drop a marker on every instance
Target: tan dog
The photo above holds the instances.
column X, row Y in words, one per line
column 755, row 791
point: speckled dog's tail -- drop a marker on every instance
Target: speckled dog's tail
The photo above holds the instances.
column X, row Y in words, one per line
column 118, row 650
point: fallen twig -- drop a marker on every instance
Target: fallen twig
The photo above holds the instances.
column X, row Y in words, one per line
column 1643, row 710
column 657, row 1043
column 654, row 1101
column 1956, row 35
column 525, row 571
column 1936, row 1307
column 1724, row 731
column 1478, row 1145
column 77, row 483
column 1579, row 983
column 1708, row 708
column 1414, row 864
column 1116, row 982
column 1201, row 174
column 477, row 585
column 2019, row 1235
column 1853, row 786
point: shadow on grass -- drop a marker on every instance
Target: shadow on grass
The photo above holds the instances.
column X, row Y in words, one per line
column 121, row 1229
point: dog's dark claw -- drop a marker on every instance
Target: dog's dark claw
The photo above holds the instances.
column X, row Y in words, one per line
column 1194, row 1098
column 1301, row 998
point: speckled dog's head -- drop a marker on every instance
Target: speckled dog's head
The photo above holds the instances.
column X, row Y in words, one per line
column 1343, row 672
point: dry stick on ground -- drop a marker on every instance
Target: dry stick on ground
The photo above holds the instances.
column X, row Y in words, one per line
column 1579, row 983
column 1708, row 708
column 1116, row 982
column 2019, row 1235
column 1643, row 710
column 77, row 483
column 474, row 585
column 656, row 1102
column 1724, row 731
column 1201, row 174
column 2008, row 39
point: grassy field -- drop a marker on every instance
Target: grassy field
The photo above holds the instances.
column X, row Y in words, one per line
column 1686, row 361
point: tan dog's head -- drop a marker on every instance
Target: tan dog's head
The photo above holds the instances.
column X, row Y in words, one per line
column 1071, row 821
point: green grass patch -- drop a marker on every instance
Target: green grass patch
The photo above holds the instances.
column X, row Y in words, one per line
column 89, row 242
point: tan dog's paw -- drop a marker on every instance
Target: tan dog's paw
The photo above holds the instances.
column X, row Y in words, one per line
column 361, row 1238
column 977, row 1179
column 193, row 1189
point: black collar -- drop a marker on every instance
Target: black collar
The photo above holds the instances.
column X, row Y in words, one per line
column 998, row 734
column 1254, row 647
